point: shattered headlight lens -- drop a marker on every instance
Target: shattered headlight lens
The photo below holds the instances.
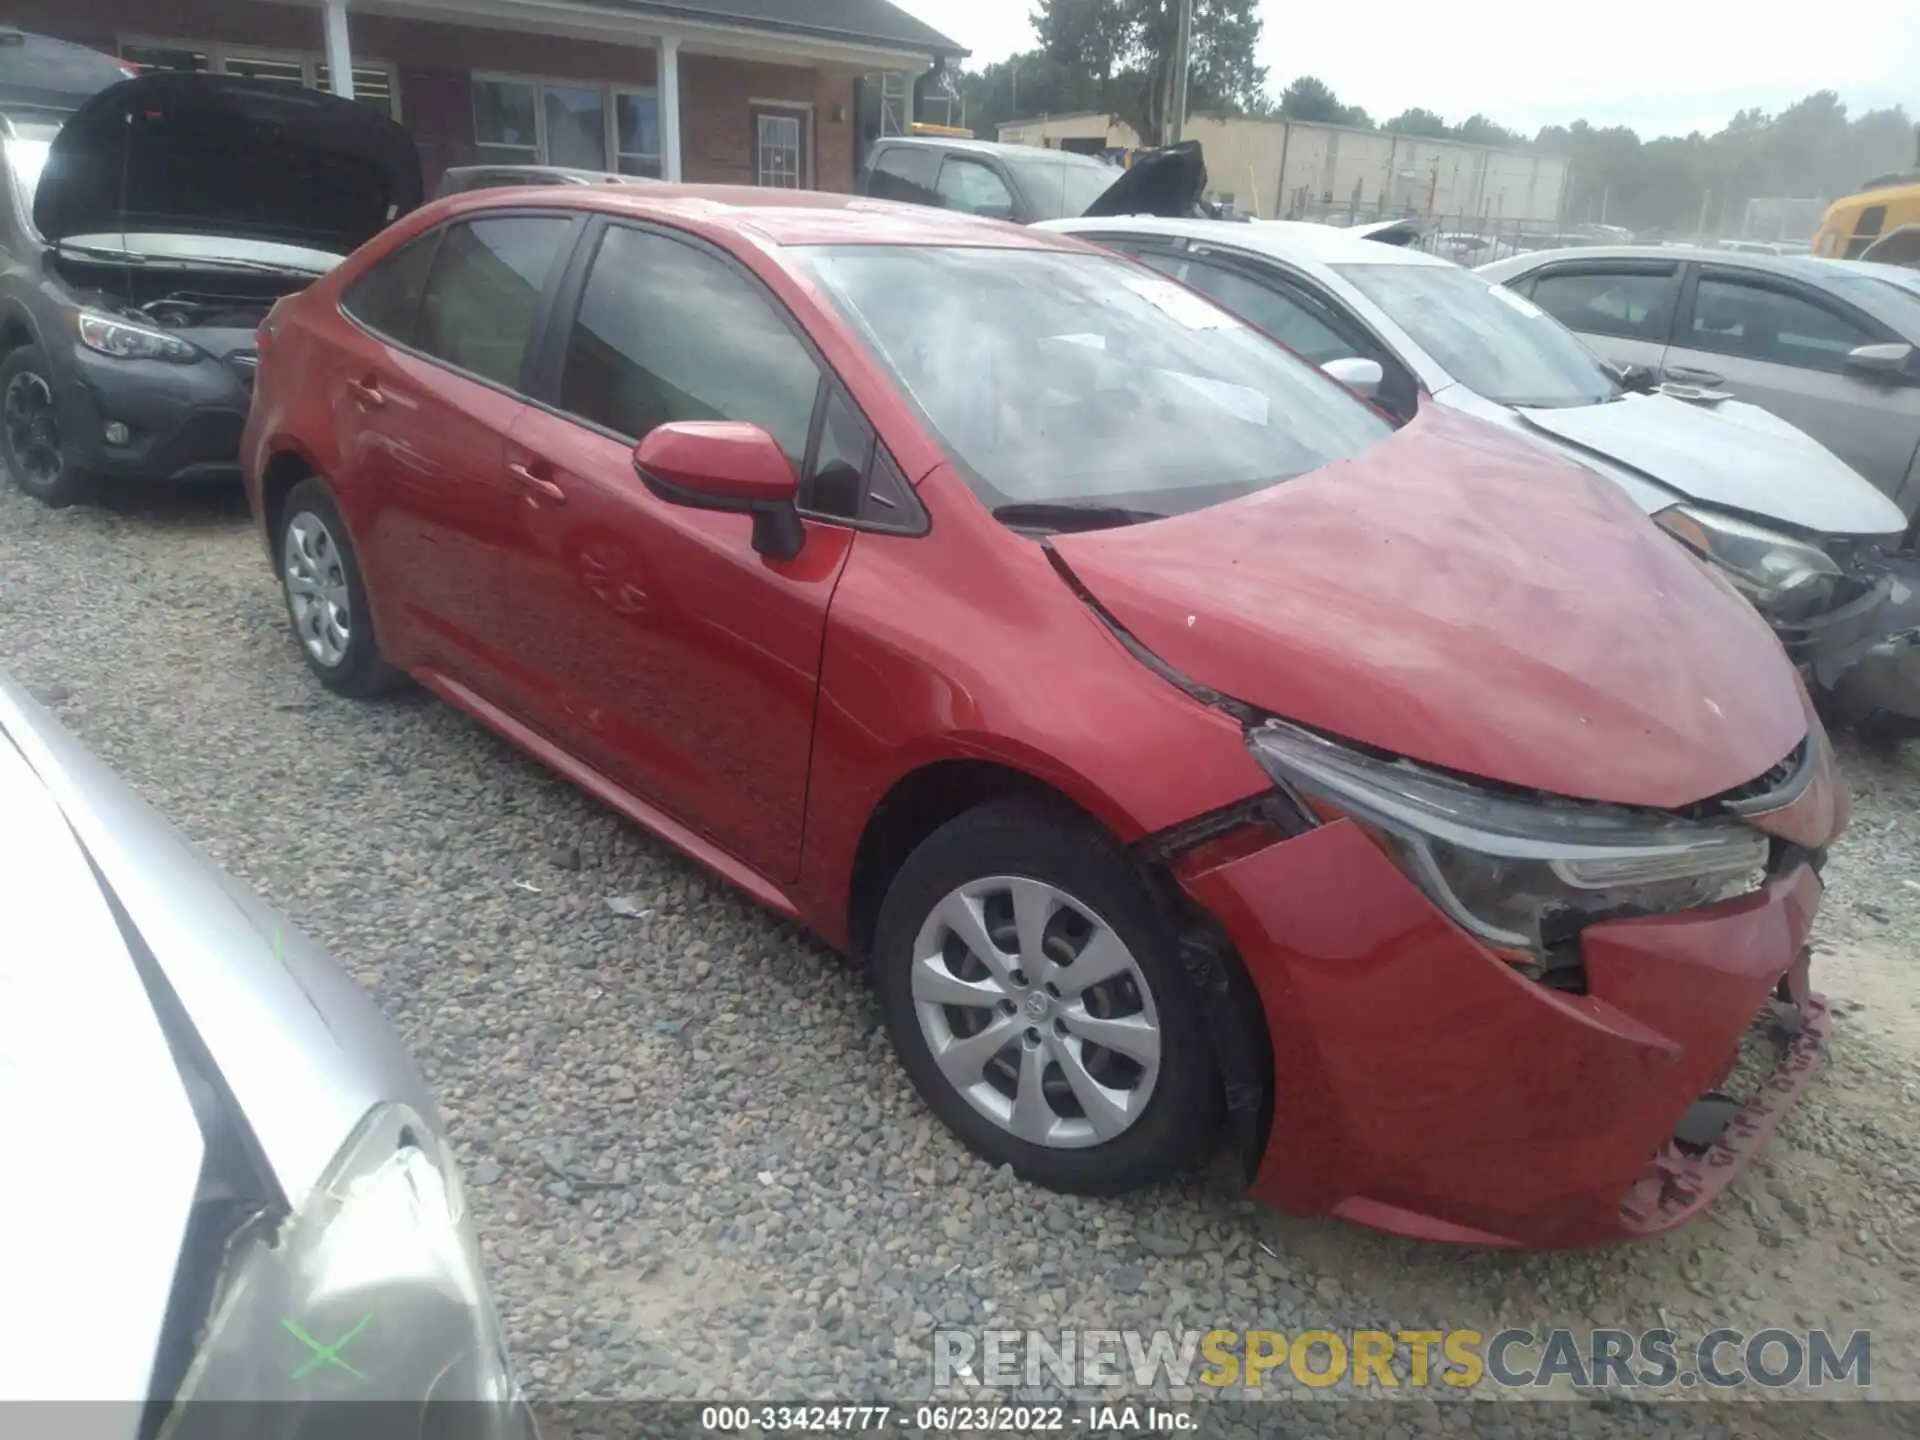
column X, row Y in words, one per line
column 1521, row 872
column 102, row 332
column 1776, row 572
column 370, row 1291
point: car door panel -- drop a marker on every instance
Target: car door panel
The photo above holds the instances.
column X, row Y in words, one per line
column 653, row 639
column 663, row 649
column 1782, row 348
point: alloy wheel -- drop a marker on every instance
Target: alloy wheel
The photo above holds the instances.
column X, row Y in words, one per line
column 33, row 430
column 1036, row 1012
column 316, row 581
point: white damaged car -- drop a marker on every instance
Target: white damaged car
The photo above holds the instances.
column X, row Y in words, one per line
column 1805, row 537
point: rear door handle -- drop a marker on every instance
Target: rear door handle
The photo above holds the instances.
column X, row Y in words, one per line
column 366, row 393
column 537, row 487
column 1687, row 375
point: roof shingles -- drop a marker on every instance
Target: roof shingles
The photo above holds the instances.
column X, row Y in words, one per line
column 867, row 21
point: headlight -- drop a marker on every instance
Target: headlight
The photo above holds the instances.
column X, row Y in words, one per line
column 1776, row 572
column 370, row 1291
column 1523, row 873
column 132, row 342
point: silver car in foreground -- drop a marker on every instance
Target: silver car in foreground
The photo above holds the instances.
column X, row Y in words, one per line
column 1831, row 345
column 1796, row 530
column 225, row 1180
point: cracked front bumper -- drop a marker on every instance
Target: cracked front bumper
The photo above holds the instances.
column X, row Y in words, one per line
column 1424, row 1086
column 1864, row 657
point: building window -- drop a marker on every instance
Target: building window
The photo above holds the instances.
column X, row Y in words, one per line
column 524, row 121
column 373, row 80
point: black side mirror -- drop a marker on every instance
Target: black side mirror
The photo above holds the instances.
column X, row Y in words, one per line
column 1636, row 379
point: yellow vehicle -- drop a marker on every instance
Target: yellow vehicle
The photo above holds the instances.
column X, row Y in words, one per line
column 1881, row 223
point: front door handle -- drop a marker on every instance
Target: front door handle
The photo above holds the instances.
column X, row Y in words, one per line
column 1687, row 375
column 537, row 487
column 366, row 393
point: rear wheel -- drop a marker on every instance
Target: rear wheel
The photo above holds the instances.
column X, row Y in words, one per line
column 327, row 596
column 30, row 431
column 1034, row 995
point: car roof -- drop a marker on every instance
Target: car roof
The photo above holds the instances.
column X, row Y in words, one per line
column 1806, row 267
column 993, row 147
column 1294, row 240
column 770, row 217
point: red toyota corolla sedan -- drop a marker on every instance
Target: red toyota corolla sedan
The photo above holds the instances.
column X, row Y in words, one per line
column 1185, row 745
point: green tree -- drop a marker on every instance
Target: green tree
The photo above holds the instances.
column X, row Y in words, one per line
column 1124, row 48
column 1310, row 98
column 1418, row 121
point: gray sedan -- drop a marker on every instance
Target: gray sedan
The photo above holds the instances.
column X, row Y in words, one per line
column 1831, row 345
column 231, row 1183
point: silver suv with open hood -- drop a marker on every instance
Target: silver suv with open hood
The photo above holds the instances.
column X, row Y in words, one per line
column 142, row 241
column 1795, row 529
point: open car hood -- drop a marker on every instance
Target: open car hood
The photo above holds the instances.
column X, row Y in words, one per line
column 1167, row 182
column 1732, row 455
column 223, row 155
column 1458, row 596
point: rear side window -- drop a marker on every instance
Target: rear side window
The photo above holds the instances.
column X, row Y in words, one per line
column 669, row 332
column 387, row 298
column 483, row 296
column 1270, row 309
column 1632, row 304
column 903, row 173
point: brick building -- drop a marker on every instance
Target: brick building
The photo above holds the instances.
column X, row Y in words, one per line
column 767, row 92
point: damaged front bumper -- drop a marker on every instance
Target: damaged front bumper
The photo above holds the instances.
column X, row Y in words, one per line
column 1423, row 1086
column 1863, row 657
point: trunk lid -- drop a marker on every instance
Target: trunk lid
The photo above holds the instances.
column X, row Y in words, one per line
column 1457, row 595
column 1732, row 455
column 226, row 156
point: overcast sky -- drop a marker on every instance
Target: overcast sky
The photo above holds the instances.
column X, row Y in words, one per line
column 1661, row 66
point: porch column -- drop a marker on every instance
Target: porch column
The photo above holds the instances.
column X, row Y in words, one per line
column 339, row 52
column 670, row 108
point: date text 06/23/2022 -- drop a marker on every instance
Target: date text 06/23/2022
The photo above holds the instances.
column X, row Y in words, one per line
column 937, row 1418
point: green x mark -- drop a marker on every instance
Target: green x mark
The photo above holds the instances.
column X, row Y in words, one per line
column 326, row 1354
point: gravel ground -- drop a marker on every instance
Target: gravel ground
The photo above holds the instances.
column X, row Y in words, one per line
column 697, row 1168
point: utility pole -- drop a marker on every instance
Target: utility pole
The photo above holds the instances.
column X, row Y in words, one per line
column 1181, row 61
column 1700, row 232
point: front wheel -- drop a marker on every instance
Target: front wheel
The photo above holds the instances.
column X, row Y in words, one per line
column 30, row 431
column 1034, row 995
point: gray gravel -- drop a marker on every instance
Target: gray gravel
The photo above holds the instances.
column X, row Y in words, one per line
column 697, row 1167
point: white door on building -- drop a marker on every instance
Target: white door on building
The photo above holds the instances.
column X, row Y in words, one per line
column 780, row 148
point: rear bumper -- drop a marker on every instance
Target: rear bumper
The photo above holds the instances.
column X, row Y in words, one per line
column 1422, row 1086
column 184, row 421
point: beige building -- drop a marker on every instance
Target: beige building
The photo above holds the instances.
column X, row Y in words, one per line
column 1280, row 170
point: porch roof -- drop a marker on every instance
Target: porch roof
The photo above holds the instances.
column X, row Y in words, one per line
column 872, row 34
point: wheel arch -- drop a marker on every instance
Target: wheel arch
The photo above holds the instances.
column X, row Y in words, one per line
column 16, row 327
column 287, row 466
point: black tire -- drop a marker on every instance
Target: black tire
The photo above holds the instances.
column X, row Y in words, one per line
column 25, row 377
column 1886, row 732
column 1046, row 841
column 359, row 670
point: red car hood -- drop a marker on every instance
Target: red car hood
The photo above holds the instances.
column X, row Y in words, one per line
column 1462, row 598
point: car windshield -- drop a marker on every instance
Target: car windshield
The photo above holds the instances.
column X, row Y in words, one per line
column 1056, row 378
column 1062, row 190
column 1493, row 341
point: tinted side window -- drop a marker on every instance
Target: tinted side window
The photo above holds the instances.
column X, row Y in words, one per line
column 1636, row 305
column 903, row 173
column 387, row 298
column 484, row 294
column 669, row 332
column 1732, row 317
column 969, row 186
